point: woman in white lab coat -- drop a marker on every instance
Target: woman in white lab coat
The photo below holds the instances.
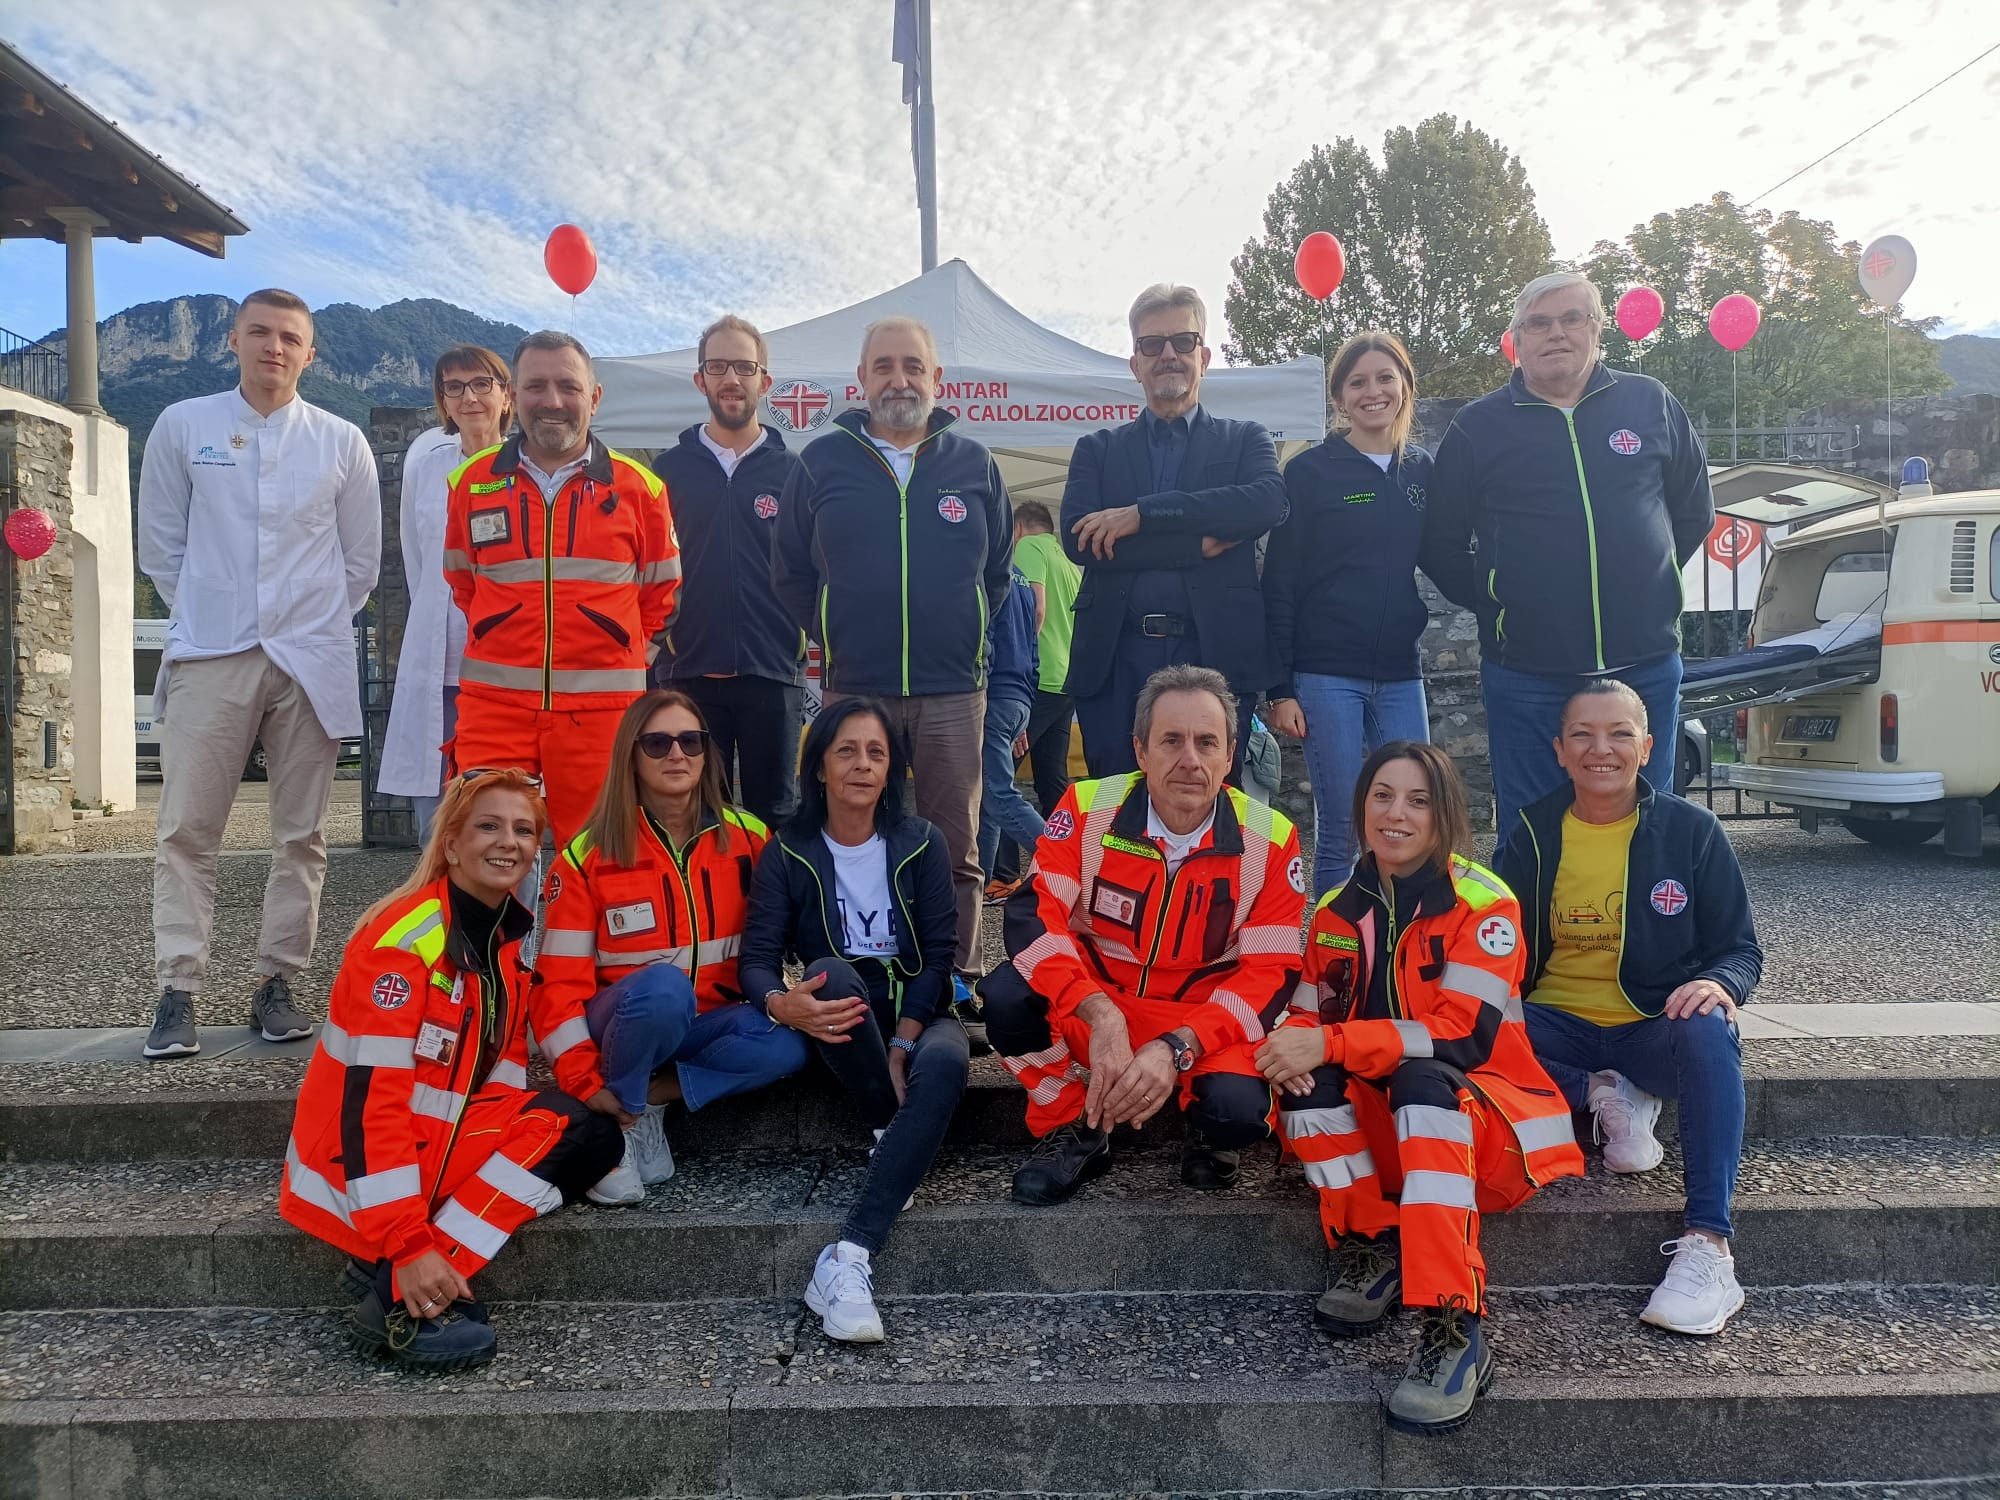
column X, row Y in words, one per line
column 477, row 405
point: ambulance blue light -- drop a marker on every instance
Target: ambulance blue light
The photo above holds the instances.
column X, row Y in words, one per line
column 1916, row 471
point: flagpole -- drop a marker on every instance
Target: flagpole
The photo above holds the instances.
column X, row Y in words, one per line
column 926, row 140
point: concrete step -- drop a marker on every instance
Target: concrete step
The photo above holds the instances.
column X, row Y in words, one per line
column 1124, row 1393
column 1812, row 1212
column 224, row 1113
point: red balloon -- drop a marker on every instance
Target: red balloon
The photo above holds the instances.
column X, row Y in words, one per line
column 1507, row 346
column 1733, row 321
column 30, row 532
column 1640, row 311
column 1319, row 265
column 571, row 258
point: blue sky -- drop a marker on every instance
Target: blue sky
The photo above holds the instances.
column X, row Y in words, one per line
column 726, row 157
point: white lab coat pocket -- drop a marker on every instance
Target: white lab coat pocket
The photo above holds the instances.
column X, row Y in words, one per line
column 205, row 609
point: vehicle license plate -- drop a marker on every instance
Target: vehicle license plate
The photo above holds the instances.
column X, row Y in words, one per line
column 1811, row 727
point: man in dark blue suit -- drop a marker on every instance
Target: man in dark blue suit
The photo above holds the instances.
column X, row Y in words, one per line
column 1157, row 512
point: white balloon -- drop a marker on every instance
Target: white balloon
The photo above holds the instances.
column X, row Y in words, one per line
column 1888, row 266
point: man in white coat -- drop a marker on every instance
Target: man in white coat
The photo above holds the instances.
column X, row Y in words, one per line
column 260, row 523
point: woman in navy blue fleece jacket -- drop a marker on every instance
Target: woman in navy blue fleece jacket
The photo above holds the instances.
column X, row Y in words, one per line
column 1340, row 590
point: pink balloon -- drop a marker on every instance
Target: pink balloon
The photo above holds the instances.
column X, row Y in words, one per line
column 1639, row 312
column 1507, row 346
column 1733, row 321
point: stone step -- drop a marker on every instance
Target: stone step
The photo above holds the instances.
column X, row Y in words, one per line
column 1813, row 1212
column 1124, row 1393
column 226, row 1114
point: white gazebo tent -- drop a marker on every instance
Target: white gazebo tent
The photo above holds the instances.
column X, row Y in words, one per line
column 1025, row 392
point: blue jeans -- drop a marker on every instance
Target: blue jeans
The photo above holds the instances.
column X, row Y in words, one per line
column 647, row 1020
column 1698, row 1061
column 1348, row 719
column 1524, row 716
column 1002, row 808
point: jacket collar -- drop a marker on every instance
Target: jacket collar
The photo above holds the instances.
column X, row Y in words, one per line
column 1549, row 811
column 1602, row 377
column 855, row 420
column 1435, row 891
column 516, row 922
column 1225, row 836
column 771, row 439
column 596, row 462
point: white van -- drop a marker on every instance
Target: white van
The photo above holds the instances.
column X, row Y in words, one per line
column 1872, row 691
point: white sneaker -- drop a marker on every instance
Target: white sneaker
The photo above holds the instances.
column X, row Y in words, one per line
column 1699, row 1292
column 622, row 1184
column 648, row 1140
column 1625, row 1115
column 842, row 1292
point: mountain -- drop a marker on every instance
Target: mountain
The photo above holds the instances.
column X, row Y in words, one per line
column 1973, row 362
column 157, row 353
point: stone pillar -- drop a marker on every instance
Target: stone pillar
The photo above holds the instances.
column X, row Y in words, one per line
column 35, row 466
column 78, row 227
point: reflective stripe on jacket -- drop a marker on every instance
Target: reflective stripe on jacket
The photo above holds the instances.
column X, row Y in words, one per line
column 1454, row 993
column 394, row 1064
column 560, row 599
column 687, row 910
column 1219, row 935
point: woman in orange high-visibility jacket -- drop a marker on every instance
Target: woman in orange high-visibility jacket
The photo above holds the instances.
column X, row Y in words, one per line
column 1406, row 1083
column 646, row 909
column 417, row 1145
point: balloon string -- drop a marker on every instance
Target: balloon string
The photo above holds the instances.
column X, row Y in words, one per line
column 1734, row 422
column 1889, row 392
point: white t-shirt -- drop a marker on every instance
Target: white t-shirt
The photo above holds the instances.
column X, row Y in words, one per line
column 725, row 455
column 1380, row 460
column 1175, row 846
column 902, row 460
column 861, row 889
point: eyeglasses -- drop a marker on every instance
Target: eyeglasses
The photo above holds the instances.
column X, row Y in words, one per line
column 1541, row 323
column 1150, row 345
column 693, row 742
column 744, row 367
column 478, row 771
column 478, row 385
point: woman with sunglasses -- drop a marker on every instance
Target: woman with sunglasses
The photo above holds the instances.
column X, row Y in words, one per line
column 476, row 405
column 418, row 1146
column 858, row 891
column 646, row 909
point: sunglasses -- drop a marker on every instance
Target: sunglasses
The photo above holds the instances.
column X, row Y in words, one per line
column 1152, row 345
column 478, row 771
column 693, row 742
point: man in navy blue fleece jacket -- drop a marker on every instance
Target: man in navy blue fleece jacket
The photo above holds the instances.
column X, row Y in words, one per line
column 1562, row 508
column 893, row 550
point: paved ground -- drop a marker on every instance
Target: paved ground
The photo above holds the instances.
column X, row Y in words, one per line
column 1842, row 921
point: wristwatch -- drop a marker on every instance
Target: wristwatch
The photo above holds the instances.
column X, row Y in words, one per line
column 1183, row 1053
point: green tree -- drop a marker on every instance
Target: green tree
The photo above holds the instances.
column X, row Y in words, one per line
column 1439, row 237
column 1820, row 338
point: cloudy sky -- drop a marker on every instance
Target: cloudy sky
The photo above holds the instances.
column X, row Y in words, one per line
column 756, row 158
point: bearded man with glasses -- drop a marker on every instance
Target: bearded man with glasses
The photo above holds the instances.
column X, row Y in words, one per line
column 731, row 646
column 1562, row 509
column 1156, row 512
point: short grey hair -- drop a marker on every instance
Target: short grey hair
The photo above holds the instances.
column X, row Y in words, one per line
column 898, row 323
column 1182, row 677
column 1556, row 281
column 554, row 341
column 1163, row 295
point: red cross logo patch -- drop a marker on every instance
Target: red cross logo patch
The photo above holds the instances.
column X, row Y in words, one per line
column 1060, row 825
column 766, row 506
column 1669, row 896
column 952, row 509
column 1625, row 441
column 800, row 406
column 391, row 992
column 1878, row 265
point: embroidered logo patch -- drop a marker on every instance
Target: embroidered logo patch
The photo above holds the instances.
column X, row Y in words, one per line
column 1625, row 441
column 1060, row 825
column 1497, row 936
column 766, row 506
column 1416, row 495
column 555, row 884
column 1295, row 872
column 952, row 509
column 1669, row 897
column 391, row 992
column 487, row 486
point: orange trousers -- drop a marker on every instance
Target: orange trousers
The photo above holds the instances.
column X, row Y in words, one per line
column 570, row 749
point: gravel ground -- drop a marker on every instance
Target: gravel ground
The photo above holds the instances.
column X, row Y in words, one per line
column 765, row 1184
column 249, row 825
column 1916, row 1489
column 1088, row 1339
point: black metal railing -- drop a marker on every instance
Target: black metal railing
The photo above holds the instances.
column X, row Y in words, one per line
column 35, row 368
column 1824, row 447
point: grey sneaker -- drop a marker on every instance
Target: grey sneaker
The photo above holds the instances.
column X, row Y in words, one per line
column 1451, row 1369
column 1365, row 1284
column 273, row 1014
column 173, row 1032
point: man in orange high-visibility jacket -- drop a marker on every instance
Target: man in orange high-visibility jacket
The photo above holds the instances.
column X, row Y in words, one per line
column 1154, row 942
column 562, row 555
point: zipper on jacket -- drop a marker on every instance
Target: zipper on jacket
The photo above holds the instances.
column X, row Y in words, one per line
column 1589, row 518
column 548, row 605
column 903, row 534
column 677, row 860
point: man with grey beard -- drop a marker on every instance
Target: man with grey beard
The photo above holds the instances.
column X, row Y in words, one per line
column 893, row 549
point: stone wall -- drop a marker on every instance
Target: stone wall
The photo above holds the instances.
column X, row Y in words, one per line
column 1960, row 435
column 35, row 457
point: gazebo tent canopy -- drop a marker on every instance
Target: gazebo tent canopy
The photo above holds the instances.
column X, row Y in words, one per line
column 1024, row 391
